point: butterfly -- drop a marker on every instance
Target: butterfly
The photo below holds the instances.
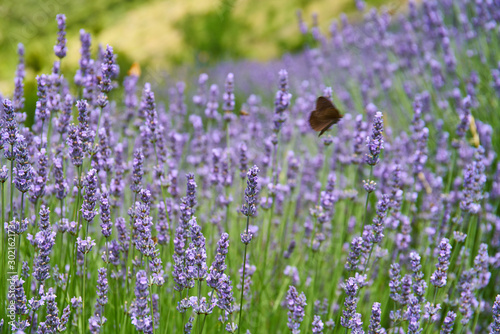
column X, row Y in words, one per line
column 325, row 115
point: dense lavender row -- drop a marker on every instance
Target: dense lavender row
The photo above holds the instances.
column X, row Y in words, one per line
column 221, row 212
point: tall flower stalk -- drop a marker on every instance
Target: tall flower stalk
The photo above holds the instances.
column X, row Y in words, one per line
column 249, row 209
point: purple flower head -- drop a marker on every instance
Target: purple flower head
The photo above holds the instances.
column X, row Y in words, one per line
column 296, row 308
column 4, row 174
column 17, row 297
column 378, row 221
column 395, row 282
column 225, row 299
column 60, row 185
column 18, row 96
column 196, row 255
column 85, row 60
column 375, row 319
column 348, row 314
column 448, row 323
column 75, row 146
column 375, row 143
column 141, row 315
column 106, row 226
column 218, row 265
column 212, row 103
column 228, row 96
column 102, row 287
column 60, row 48
column 42, row 111
column 10, row 128
column 281, row 101
column 24, row 171
column 109, row 70
column 354, row 254
column 200, row 98
column 495, row 325
column 369, row 186
column 249, row 209
column 317, row 325
column 137, row 171
column 438, row 278
column 84, row 246
column 90, row 196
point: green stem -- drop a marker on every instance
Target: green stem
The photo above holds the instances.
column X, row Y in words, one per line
column 11, row 212
column 367, row 199
column 243, row 276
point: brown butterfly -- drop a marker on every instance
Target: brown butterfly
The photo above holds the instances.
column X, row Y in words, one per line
column 325, row 115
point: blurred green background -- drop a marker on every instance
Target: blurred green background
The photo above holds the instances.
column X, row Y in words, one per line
column 158, row 33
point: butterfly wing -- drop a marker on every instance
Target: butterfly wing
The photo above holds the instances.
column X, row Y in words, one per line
column 325, row 115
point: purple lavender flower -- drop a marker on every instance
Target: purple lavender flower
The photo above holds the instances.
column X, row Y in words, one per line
column 84, row 132
column 375, row 143
column 40, row 181
column 60, row 48
column 350, row 303
column 225, row 297
column 228, row 96
column 200, row 98
column 249, row 209
column 481, row 263
column 90, row 197
column 18, row 97
column 123, row 234
column 60, row 185
column 375, row 319
column 438, row 278
column 281, row 101
column 75, row 146
column 218, row 266
column 64, row 319
column 109, row 70
column 141, row 317
column 179, row 273
column 395, row 282
column 464, row 118
column 52, row 320
column 317, row 325
column 212, row 103
column 419, row 284
column 17, row 297
column 354, row 254
column 24, row 171
column 495, row 325
column 106, row 226
column 378, row 221
column 413, row 316
column 196, row 255
column 84, row 246
column 10, row 131
column 42, row 112
column 296, row 309
column 162, row 227
column 102, row 289
column 18, row 227
column 137, row 171
column 85, row 60
column 448, row 323
column 4, row 174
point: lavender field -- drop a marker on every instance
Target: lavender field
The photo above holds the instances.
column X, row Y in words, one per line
column 209, row 205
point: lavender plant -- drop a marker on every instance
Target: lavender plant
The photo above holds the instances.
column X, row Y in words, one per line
column 99, row 200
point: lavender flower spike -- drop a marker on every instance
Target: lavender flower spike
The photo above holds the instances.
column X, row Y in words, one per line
column 438, row 278
column 296, row 309
column 60, row 48
column 249, row 209
column 375, row 143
